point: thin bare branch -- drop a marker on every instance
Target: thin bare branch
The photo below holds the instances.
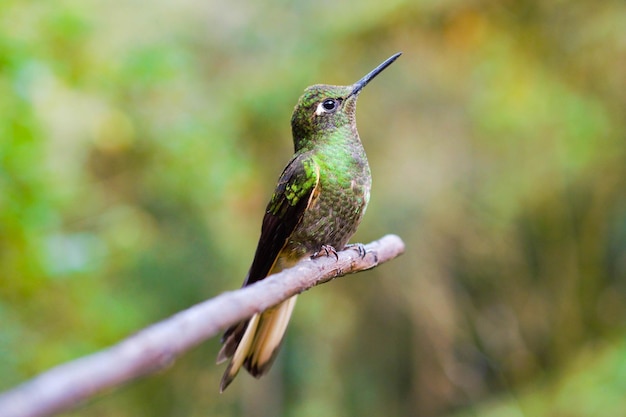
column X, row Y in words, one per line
column 65, row 386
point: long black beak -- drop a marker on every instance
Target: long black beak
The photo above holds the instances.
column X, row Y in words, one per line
column 358, row 86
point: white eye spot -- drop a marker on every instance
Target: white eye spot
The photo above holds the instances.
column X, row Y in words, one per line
column 327, row 106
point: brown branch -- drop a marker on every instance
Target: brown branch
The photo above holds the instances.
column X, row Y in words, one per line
column 65, row 386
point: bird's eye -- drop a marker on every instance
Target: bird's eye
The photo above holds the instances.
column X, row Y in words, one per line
column 329, row 104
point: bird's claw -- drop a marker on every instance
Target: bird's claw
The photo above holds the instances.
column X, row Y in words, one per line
column 359, row 247
column 326, row 250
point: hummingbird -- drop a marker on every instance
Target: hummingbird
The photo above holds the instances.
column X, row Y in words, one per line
column 316, row 207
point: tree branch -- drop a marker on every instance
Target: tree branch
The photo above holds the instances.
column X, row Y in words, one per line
column 154, row 347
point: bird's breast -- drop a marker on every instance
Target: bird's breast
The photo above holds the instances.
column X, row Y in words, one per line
column 333, row 216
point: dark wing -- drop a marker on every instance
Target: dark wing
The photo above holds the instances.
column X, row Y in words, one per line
column 293, row 194
column 297, row 187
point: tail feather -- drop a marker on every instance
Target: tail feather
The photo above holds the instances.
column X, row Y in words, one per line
column 268, row 338
column 255, row 347
column 240, row 353
column 230, row 340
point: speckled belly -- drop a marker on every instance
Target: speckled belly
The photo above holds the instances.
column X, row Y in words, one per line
column 334, row 216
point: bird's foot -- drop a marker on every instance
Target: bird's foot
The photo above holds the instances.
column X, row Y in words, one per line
column 325, row 250
column 359, row 247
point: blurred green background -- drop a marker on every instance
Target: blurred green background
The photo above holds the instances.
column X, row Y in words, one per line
column 140, row 142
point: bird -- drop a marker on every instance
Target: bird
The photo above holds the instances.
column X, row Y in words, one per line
column 316, row 207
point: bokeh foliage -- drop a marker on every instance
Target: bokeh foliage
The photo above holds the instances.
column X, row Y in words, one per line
column 139, row 143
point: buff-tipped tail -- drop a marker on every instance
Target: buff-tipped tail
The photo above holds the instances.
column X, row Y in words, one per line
column 254, row 344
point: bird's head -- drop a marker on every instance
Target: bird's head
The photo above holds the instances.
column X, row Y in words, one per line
column 323, row 109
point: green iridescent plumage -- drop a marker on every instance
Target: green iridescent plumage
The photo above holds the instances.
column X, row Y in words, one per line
column 318, row 203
